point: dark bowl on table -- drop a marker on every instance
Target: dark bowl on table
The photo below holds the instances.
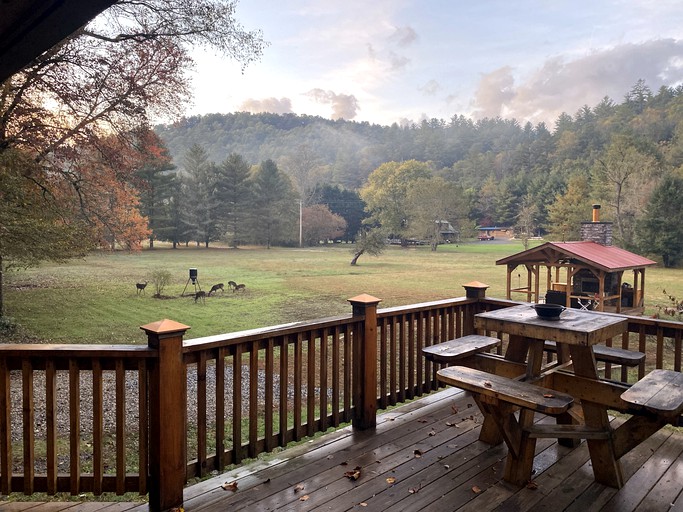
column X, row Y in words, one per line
column 548, row 311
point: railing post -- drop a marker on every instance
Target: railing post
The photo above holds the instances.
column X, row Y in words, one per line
column 473, row 290
column 365, row 362
column 168, row 415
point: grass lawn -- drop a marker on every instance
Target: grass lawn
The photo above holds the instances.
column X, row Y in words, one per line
column 94, row 300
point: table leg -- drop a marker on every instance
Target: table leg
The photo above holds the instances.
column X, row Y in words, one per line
column 490, row 433
column 606, row 466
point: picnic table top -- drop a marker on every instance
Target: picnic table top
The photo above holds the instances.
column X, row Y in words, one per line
column 576, row 327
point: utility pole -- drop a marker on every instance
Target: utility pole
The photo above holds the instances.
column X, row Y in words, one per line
column 301, row 223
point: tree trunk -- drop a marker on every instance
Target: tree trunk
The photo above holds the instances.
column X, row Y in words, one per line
column 151, row 242
column 355, row 257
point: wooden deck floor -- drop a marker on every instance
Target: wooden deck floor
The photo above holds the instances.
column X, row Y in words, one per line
column 426, row 456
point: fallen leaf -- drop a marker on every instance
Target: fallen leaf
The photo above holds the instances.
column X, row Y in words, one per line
column 391, row 480
column 230, row 486
column 353, row 475
column 432, row 433
column 422, row 421
column 487, row 384
column 548, row 396
column 446, row 466
column 476, row 490
column 532, row 485
column 415, row 490
column 178, row 509
column 344, row 463
column 330, row 457
column 363, row 504
column 298, row 487
column 304, row 497
column 454, row 409
column 417, row 454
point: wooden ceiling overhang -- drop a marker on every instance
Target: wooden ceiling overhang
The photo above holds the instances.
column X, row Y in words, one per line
column 30, row 27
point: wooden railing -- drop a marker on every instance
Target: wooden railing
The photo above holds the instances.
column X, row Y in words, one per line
column 175, row 410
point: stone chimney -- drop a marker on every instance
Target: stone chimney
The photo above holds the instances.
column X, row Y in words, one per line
column 596, row 231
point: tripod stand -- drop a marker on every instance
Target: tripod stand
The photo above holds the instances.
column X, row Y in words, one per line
column 195, row 283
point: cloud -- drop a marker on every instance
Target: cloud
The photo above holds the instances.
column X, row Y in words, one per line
column 272, row 105
column 404, row 36
column 430, row 88
column 344, row 106
column 562, row 85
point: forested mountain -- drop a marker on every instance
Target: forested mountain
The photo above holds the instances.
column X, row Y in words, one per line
column 622, row 151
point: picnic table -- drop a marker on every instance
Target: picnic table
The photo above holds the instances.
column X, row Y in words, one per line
column 570, row 389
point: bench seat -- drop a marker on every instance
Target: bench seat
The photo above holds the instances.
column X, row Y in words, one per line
column 522, row 394
column 659, row 392
column 451, row 351
column 607, row 354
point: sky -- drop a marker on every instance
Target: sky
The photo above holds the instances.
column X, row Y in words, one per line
column 403, row 61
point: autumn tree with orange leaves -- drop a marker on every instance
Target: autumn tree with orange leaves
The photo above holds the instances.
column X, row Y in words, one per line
column 73, row 123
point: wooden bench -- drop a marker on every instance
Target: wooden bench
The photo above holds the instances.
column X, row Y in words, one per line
column 459, row 348
column 660, row 393
column 518, row 393
column 498, row 398
column 607, row 354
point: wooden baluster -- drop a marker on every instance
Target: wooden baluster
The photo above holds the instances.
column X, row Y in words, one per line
column 220, row 408
column 422, row 368
column 97, row 426
column 74, row 426
column 143, row 427
column 29, row 420
column 383, row 360
column 348, row 340
column 5, row 430
column 284, row 384
column 269, row 391
column 253, row 398
column 412, row 347
column 120, row 427
column 310, row 385
column 51, row 427
column 324, row 335
column 298, row 377
column 201, row 413
column 402, row 356
column 336, row 389
column 237, row 405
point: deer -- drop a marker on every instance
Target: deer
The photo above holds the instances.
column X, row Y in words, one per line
column 239, row 287
column 232, row 285
column 141, row 287
column 215, row 288
column 201, row 294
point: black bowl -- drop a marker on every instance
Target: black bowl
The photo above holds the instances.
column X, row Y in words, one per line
column 548, row 311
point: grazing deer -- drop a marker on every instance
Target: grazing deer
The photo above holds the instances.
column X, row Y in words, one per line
column 231, row 285
column 215, row 288
column 201, row 294
column 239, row 287
column 141, row 287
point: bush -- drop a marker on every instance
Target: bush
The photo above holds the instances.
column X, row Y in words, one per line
column 160, row 279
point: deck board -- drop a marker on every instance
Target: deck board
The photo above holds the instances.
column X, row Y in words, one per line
column 430, row 449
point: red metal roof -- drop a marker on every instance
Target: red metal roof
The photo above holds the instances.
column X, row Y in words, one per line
column 607, row 258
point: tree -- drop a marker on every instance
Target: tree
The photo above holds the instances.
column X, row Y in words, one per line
column 103, row 83
column 661, row 228
column 275, row 205
column 526, row 221
column 201, row 208
column 34, row 225
column 234, row 197
column 320, row 224
column 370, row 241
column 433, row 202
column 570, row 209
column 157, row 181
column 345, row 203
column 624, row 178
column 386, row 192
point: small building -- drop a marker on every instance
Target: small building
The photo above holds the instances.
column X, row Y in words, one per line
column 583, row 274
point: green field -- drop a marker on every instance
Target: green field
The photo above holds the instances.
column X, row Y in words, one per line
column 94, row 300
